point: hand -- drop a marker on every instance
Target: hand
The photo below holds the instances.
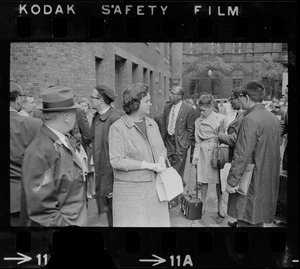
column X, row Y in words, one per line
column 195, row 161
column 160, row 167
column 157, row 167
column 231, row 189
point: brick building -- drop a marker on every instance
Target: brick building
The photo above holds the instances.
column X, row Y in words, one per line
column 242, row 56
column 81, row 65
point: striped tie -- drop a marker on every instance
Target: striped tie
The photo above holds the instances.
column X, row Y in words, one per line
column 171, row 129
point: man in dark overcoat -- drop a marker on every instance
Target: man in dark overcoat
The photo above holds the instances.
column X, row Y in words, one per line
column 22, row 131
column 53, row 192
column 258, row 142
column 106, row 115
column 179, row 126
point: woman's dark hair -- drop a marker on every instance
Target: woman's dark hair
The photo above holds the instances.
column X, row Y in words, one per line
column 132, row 97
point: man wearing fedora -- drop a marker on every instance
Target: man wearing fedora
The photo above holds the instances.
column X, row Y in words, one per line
column 106, row 115
column 22, row 131
column 53, row 191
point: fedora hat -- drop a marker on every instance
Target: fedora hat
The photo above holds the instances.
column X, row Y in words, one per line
column 58, row 98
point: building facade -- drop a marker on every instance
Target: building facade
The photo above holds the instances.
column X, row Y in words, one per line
column 241, row 56
column 81, row 66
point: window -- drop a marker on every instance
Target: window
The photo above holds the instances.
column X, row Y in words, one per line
column 145, row 77
column 236, row 83
column 135, row 75
column 284, row 48
column 119, row 80
column 98, row 62
column 192, row 86
column 237, row 48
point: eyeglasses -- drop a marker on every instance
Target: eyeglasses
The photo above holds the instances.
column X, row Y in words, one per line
column 173, row 93
column 242, row 95
column 94, row 97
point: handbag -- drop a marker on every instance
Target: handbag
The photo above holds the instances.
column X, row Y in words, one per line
column 221, row 154
column 244, row 183
column 168, row 184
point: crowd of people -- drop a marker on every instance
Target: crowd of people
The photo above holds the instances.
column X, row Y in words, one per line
column 64, row 152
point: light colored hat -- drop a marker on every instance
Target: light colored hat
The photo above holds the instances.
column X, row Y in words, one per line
column 58, row 98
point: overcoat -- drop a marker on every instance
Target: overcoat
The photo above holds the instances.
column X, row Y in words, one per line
column 53, row 191
column 22, row 131
column 135, row 200
column 258, row 142
column 206, row 130
column 103, row 170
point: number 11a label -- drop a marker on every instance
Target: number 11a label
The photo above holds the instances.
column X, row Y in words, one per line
column 176, row 261
column 42, row 259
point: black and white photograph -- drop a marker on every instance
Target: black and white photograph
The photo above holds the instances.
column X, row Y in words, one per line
column 148, row 134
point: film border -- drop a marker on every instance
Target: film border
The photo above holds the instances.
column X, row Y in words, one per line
column 262, row 21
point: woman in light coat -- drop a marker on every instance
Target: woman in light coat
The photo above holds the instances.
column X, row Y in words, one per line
column 137, row 153
column 207, row 127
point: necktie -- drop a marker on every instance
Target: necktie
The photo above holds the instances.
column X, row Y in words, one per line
column 172, row 122
column 72, row 150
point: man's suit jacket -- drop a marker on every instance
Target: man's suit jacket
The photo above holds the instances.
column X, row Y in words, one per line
column 184, row 127
column 53, row 192
column 22, row 131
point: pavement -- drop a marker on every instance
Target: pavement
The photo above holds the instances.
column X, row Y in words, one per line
column 209, row 219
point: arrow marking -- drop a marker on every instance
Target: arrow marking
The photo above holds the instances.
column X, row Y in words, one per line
column 157, row 261
column 22, row 259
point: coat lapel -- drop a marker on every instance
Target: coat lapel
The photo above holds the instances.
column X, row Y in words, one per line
column 58, row 142
column 180, row 113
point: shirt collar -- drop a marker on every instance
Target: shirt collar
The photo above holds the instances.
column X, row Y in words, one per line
column 104, row 110
column 12, row 109
column 61, row 136
column 178, row 105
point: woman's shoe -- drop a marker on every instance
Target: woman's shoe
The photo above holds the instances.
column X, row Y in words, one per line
column 221, row 213
column 232, row 224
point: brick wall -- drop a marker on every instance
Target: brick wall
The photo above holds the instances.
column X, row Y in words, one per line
column 82, row 65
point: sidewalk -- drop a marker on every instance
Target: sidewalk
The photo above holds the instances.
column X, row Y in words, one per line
column 209, row 219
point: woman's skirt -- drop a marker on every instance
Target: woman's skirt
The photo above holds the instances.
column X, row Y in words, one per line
column 136, row 204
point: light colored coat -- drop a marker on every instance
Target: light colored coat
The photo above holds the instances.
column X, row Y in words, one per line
column 135, row 200
column 258, row 142
column 206, row 130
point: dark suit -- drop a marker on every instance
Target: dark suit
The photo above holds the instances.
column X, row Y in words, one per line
column 178, row 144
column 22, row 131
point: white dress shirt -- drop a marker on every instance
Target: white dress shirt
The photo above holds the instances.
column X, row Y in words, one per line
column 177, row 109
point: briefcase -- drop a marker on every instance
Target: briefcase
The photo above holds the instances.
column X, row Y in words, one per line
column 281, row 209
column 191, row 206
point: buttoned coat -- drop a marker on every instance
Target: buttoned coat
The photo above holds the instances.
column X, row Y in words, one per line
column 258, row 142
column 22, row 131
column 135, row 200
column 184, row 127
column 53, row 191
column 103, row 170
column 206, row 130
